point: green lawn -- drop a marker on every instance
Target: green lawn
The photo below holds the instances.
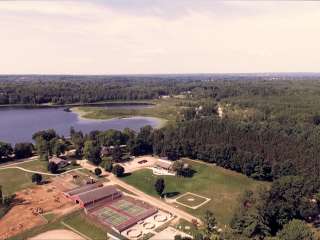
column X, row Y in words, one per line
column 42, row 166
column 49, row 216
column 82, row 224
column 186, row 199
column 162, row 109
column 13, row 180
column 223, row 187
column 37, row 165
column 76, row 220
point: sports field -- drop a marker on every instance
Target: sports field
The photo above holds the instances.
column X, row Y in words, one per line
column 122, row 213
column 192, row 200
column 110, row 216
column 128, row 207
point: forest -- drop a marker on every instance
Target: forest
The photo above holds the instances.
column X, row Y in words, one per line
column 269, row 131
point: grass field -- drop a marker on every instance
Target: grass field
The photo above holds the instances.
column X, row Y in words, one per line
column 76, row 220
column 223, row 187
column 163, row 109
column 37, row 165
column 13, row 180
column 82, row 224
column 191, row 200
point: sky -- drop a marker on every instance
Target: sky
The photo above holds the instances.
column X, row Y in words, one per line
column 158, row 36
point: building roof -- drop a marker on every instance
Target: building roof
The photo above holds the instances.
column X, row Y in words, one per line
column 57, row 160
column 97, row 194
column 164, row 163
column 82, row 189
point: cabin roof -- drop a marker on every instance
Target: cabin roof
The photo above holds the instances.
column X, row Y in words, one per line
column 97, row 194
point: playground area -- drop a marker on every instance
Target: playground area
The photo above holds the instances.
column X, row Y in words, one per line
column 148, row 226
column 121, row 213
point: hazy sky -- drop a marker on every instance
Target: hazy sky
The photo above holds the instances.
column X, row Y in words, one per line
column 158, row 36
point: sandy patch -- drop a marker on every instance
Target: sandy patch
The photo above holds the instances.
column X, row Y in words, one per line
column 58, row 235
column 32, row 202
column 139, row 163
column 169, row 234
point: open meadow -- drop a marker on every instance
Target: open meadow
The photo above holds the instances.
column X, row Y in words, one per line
column 222, row 186
column 164, row 110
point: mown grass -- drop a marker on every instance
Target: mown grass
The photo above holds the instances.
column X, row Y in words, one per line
column 195, row 202
column 37, row 165
column 76, row 220
column 49, row 216
column 81, row 223
column 222, row 186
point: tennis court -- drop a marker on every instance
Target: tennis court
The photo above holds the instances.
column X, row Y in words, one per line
column 128, row 207
column 121, row 213
column 110, row 216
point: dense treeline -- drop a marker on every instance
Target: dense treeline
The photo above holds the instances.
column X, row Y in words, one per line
column 270, row 130
column 273, row 153
column 88, row 89
column 263, row 152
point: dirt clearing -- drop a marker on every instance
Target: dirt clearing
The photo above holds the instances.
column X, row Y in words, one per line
column 58, row 235
column 30, row 204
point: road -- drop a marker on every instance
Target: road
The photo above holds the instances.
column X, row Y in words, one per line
column 143, row 196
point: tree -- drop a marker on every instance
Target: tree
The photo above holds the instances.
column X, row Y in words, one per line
column 210, row 223
column 42, row 148
column 53, row 167
column 36, row 178
column 47, row 135
column 92, row 152
column 118, row 170
column 296, row 230
column 23, row 150
column 316, row 120
column 97, row 171
column 59, row 147
column 198, row 236
column 178, row 237
column 116, row 154
column 5, row 150
column 108, row 165
column 144, row 140
column 182, row 169
column 1, row 195
column 159, row 186
column 284, row 202
column 78, row 141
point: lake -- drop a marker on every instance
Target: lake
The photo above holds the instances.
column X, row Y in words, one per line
column 18, row 124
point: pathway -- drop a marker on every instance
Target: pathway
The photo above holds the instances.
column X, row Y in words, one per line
column 39, row 172
column 153, row 201
column 141, row 195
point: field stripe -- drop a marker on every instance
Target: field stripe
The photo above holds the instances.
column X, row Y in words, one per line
column 76, row 231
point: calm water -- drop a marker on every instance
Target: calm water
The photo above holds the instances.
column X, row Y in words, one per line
column 18, row 125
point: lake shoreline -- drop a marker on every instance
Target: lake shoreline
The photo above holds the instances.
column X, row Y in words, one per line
column 82, row 115
column 18, row 125
column 70, row 105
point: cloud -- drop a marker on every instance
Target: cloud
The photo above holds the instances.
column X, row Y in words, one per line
column 122, row 36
